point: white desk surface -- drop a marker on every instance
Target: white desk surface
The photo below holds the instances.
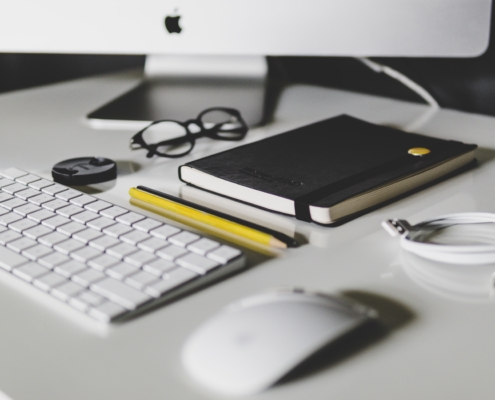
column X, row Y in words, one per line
column 439, row 318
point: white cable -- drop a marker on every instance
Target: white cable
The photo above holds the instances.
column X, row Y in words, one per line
column 381, row 68
column 452, row 254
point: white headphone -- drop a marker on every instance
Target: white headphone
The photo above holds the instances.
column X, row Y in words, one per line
column 410, row 239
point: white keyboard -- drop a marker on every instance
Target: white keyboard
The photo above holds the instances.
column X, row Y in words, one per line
column 100, row 259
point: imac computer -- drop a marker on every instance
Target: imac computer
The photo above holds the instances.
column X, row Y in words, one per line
column 203, row 53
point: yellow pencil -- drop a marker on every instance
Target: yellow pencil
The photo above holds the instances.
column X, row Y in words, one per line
column 208, row 219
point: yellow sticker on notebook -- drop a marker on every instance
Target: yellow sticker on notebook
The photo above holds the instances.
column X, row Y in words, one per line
column 419, row 151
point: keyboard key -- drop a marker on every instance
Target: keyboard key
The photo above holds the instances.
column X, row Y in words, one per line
column 16, row 187
column 53, row 189
column 121, row 250
column 40, row 199
column 97, row 206
column 103, row 262
column 171, row 252
column 78, row 304
column 48, row 258
column 37, row 231
column 92, row 298
column 43, row 183
column 147, row 225
column 13, row 173
column 21, row 244
column 197, row 263
column 12, row 203
column 26, row 209
column 27, row 179
column 140, row 258
column 117, row 230
column 121, row 271
column 71, row 228
column 6, row 182
column 104, row 242
column 67, row 290
column 69, row 268
column 7, row 219
column 183, row 239
column 88, row 276
column 203, row 246
column 9, row 259
column 36, row 252
column 152, row 245
column 85, row 254
column 120, row 293
column 224, row 254
column 107, row 311
column 55, row 222
column 134, row 237
column 68, row 194
column 85, row 217
column 49, row 281
column 159, row 266
column 100, row 223
column 41, row 215
column 69, row 246
column 52, row 239
column 30, row 271
column 113, row 212
column 164, row 231
column 22, row 225
column 69, row 211
column 53, row 259
column 81, row 201
column 5, row 196
column 129, row 218
column 171, row 280
column 141, row 279
column 86, row 299
column 9, row 236
column 54, row 205
column 28, row 193
column 87, row 235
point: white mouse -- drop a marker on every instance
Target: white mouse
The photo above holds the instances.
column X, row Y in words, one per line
column 253, row 343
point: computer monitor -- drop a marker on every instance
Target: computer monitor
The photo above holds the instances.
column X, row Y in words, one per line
column 231, row 38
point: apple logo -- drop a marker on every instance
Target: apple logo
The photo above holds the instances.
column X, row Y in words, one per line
column 172, row 24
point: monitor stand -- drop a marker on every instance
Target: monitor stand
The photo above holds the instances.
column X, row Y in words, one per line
column 180, row 87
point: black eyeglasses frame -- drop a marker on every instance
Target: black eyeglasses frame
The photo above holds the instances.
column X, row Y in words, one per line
column 214, row 132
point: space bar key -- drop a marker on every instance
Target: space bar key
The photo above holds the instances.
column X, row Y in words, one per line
column 120, row 293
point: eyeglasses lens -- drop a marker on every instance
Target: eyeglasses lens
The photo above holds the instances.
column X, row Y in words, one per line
column 225, row 121
column 169, row 136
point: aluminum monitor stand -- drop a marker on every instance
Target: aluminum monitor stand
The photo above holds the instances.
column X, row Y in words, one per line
column 180, row 87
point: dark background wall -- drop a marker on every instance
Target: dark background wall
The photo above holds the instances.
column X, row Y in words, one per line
column 464, row 84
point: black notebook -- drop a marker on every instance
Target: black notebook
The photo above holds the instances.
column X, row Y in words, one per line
column 328, row 170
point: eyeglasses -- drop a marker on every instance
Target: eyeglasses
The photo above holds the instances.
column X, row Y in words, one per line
column 169, row 138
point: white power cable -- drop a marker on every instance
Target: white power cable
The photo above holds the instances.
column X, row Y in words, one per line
column 412, row 238
column 381, row 68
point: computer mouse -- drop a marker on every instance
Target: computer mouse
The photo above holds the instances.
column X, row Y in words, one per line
column 252, row 343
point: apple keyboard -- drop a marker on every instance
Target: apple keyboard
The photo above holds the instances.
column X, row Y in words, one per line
column 100, row 259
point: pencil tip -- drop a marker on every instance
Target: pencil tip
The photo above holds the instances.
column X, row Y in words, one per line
column 277, row 243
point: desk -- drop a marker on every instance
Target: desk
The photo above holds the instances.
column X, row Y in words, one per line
column 440, row 342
